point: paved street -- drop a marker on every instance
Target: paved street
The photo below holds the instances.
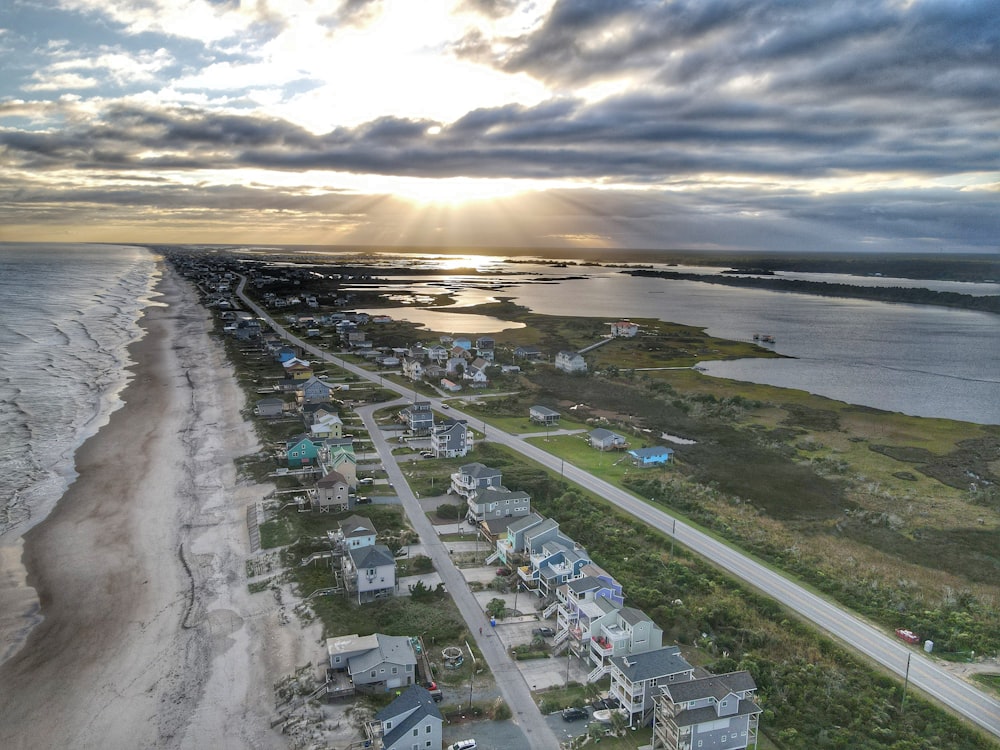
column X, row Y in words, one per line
column 509, row 680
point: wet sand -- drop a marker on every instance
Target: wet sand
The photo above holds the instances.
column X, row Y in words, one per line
column 149, row 637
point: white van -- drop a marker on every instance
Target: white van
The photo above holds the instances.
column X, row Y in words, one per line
column 463, row 745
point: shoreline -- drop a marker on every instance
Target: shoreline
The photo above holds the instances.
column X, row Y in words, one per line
column 135, row 649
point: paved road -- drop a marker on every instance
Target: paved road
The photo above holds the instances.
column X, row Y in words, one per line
column 924, row 673
column 508, row 677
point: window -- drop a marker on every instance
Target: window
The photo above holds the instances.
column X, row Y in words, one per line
column 427, row 729
column 395, row 670
column 416, row 732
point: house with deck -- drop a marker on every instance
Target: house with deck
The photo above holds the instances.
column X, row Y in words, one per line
column 570, row 362
column 332, row 493
column 497, row 502
column 471, row 478
column 606, row 440
column 719, row 711
column 374, row 663
column 418, row 417
column 412, row 721
column 646, row 457
column 369, row 572
column 624, row 329
column 451, row 438
column 269, row 408
column 543, row 415
column 636, row 679
column 302, row 450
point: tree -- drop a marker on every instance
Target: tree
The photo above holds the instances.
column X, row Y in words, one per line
column 496, row 608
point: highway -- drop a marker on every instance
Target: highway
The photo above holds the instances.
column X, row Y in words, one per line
column 886, row 650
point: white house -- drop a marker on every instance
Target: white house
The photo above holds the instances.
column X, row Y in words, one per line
column 624, row 329
column 571, row 362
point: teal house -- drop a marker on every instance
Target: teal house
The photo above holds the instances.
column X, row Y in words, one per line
column 302, row 450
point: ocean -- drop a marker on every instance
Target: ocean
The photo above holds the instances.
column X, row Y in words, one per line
column 68, row 313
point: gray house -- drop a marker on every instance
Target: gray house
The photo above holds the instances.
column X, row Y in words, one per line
column 606, row 440
column 451, row 438
column 543, row 415
column 708, row 713
column 636, row 679
column 497, row 502
column 374, row 663
column 419, row 417
column 471, row 478
column 332, row 493
column 369, row 572
column 269, row 407
column 410, row 721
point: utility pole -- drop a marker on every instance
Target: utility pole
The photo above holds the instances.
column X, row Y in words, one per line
column 673, row 536
column 906, row 682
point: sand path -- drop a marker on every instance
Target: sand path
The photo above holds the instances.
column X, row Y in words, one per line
column 149, row 637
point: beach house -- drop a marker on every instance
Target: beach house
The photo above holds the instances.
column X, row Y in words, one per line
column 543, row 415
column 645, row 457
column 470, row 478
column 374, row 663
column 571, row 362
column 635, row 680
column 411, row 721
column 718, row 711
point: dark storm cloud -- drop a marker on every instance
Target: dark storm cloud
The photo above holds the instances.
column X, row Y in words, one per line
column 636, row 137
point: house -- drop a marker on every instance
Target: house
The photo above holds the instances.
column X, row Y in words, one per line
column 497, row 502
column 543, row 415
column 461, row 343
column 302, row 450
column 605, row 440
column 356, row 531
column 327, row 426
column 450, row 386
column 269, row 407
column 571, row 362
column 418, row 417
column 476, row 372
column 636, row 679
column 657, row 456
column 486, row 347
column 369, row 572
column 510, row 547
column 374, row 663
column 585, row 600
column 413, row 368
column 529, row 353
column 437, row 353
column 624, row 329
column 552, row 564
column 298, row 369
column 451, row 438
column 332, row 493
column 313, row 391
column 340, row 457
column 718, row 711
column 411, row 721
column 622, row 632
column 471, row 478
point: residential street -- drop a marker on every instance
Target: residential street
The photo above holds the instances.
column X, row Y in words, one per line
column 508, row 677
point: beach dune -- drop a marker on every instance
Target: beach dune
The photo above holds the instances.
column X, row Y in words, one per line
column 149, row 637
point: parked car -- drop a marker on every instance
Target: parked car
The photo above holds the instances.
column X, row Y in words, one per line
column 463, row 745
column 544, row 632
column 366, row 480
column 574, row 714
column 362, row 501
column 427, row 454
column 503, row 571
column 445, row 406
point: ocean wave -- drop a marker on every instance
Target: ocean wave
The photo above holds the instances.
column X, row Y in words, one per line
column 66, row 362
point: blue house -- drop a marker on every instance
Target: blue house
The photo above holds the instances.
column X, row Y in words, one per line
column 643, row 457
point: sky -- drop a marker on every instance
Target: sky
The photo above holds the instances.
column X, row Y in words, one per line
column 745, row 125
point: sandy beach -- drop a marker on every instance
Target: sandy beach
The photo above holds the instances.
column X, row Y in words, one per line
column 149, row 636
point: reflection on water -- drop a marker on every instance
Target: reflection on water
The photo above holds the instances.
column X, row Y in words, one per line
column 445, row 322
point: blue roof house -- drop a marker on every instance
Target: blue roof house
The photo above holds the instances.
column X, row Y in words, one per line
column 643, row 457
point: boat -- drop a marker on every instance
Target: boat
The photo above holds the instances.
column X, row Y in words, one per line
column 764, row 338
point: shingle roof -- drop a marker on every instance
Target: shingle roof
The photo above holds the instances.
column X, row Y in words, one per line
column 705, row 714
column 356, row 526
column 715, row 686
column 659, row 663
column 371, row 556
column 415, row 699
column 525, row 523
column 477, row 470
column 633, row 616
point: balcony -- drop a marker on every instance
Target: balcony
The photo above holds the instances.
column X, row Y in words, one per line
column 529, row 576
